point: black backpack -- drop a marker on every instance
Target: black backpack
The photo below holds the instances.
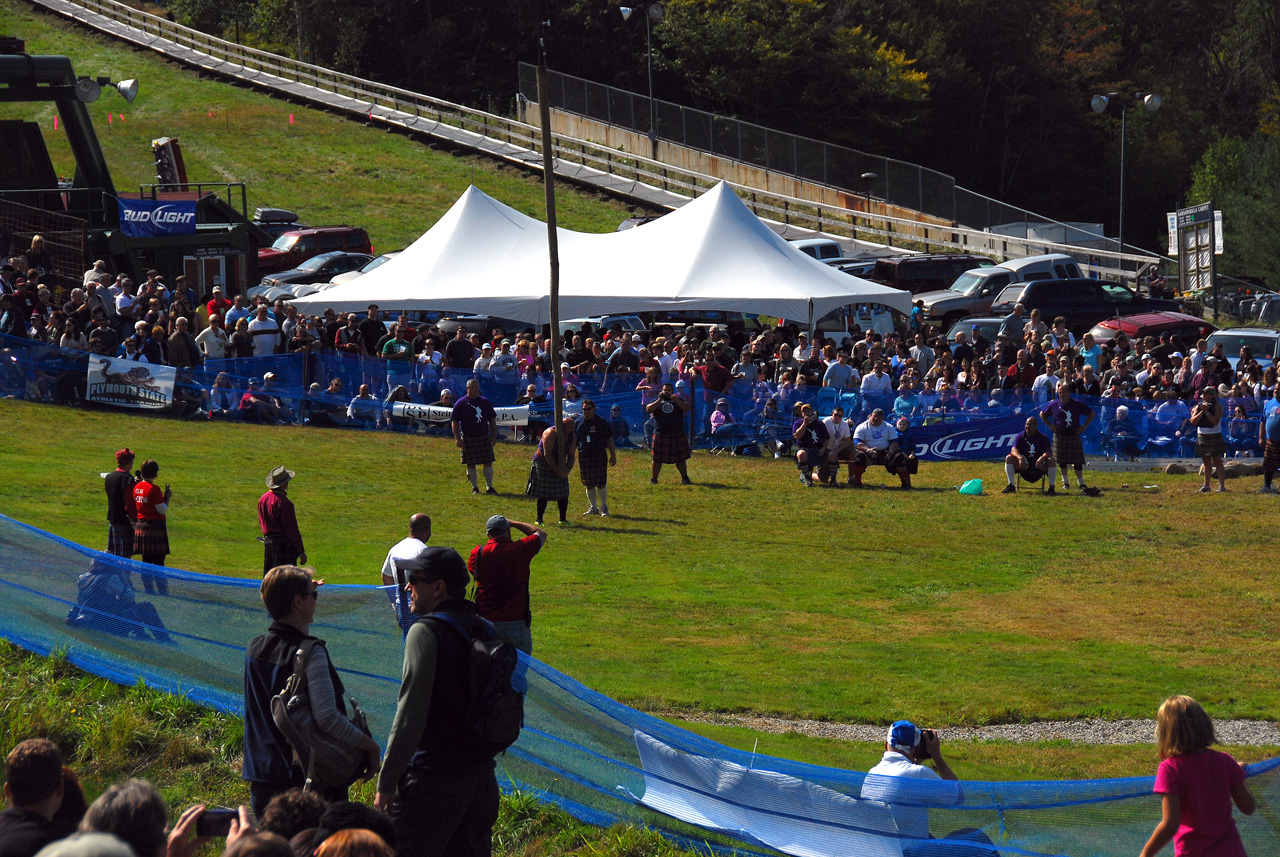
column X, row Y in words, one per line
column 495, row 709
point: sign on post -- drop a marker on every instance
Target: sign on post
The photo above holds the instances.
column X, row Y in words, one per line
column 1196, row 240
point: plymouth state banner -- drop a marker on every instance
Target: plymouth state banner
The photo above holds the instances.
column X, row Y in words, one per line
column 127, row 384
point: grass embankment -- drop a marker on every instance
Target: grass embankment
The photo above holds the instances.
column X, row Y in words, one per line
column 108, row 733
column 327, row 167
column 745, row 592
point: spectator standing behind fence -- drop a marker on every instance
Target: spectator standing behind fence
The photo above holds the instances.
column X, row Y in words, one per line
column 438, row 786
column 290, row 596
column 596, row 454
column 212, row 341
column 265, row 332
column 121, row 510
column 670, row 437
column 33, row 786
column 501, row 570
column 1197, row 786
column 475, row 429
column 278, row 520
column 151, row 533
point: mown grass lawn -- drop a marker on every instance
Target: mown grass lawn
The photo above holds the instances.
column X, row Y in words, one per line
column 746, row 592
column 327, row 167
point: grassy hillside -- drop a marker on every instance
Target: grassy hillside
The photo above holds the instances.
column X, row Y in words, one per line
column 745, row 591
column 328, row 168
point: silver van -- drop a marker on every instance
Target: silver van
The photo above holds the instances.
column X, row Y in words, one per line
column 974, row 291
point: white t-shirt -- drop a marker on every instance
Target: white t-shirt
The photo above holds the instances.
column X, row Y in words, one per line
column 873, row 385
column 213, row 342
column 889, row 782
column 875, row 437
column 837, row 431
column 264, row 344
column 404, row 549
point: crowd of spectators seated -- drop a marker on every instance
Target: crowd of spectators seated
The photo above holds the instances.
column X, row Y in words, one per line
column 913, row 373
column 48, row 815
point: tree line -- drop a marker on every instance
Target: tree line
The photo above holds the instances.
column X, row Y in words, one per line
column 994, row 92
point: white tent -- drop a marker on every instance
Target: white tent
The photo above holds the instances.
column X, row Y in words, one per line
column 712, row 254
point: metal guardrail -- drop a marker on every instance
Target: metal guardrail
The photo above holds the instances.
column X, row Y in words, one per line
column 418, row 113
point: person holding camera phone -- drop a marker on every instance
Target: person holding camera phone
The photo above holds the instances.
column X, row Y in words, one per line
column 906, row 748
column 671, row 437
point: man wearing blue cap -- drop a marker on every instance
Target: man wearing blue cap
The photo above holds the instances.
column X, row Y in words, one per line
column 906, row 747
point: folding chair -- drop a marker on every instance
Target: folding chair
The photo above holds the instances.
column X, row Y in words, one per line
column 1031, row 478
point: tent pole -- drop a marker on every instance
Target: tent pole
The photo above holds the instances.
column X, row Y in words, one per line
column 553, row 248
column 813, row 323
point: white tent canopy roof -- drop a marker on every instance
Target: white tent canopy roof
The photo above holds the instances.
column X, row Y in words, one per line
column 487, row 258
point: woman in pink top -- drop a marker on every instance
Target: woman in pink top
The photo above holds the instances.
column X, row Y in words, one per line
column 1196, row 785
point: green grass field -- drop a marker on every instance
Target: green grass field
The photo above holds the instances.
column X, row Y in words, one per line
column 746, row 592
column 328, row 168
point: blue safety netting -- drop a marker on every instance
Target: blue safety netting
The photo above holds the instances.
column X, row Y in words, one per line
column 981, row 425
column 600, row 760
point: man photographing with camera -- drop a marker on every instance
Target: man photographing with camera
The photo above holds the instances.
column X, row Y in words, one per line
column 894, row 781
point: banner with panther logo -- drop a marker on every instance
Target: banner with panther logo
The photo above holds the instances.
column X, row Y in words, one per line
column 128, row 384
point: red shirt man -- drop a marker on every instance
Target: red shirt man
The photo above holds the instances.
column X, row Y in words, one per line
column 501, row 570
column 219, row 305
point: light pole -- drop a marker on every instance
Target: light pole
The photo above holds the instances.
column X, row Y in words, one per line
column 1151, row 103
column 653, row 14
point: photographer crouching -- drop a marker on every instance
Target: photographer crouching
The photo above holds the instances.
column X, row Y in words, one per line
column 896, row 780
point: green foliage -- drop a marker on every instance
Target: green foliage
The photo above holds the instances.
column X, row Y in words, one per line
column 1242, row 179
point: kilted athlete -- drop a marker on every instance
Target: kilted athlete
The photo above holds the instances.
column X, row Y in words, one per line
column 596, row 454
column 282, row 542
column 150, row 533
column 475, row 429
column 120, row 509
column 1067, row 418
column 670, row 438
column 548, row 479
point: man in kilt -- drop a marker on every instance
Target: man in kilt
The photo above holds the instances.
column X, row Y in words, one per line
column 1269, row 440
column 475, row 429
column 1067, row 418
column 150, row 529
column 549, row 475
column 670, row 438
column 282, row 543
column 596, row 454
column 120, row 508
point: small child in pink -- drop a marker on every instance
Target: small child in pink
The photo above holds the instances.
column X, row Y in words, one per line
column 1197, row 786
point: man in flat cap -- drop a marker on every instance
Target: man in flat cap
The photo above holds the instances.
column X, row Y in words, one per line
column 436, row 781
column 282, row 543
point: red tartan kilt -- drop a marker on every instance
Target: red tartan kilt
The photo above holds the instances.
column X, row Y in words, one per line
column 151, row 538
column 670, row 448
column 594, row 470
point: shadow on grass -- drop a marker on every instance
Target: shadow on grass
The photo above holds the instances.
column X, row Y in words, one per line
column 720, row 486
column 622, row 531
column 648, row 520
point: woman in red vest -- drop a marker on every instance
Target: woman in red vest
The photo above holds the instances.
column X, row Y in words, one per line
column 150, row 535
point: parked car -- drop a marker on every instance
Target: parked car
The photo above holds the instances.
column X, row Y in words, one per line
column 853, row 267
column 348, row 276
column 318, row 269
column 629, row 324
column 925, row 272
column 988, row 326
column 276, row 221
column 296, row 246
column 1185, row 329
column 1082, row 302
column 819, row 248
column 1263, row 342
column 483, row 325
column 975, row 290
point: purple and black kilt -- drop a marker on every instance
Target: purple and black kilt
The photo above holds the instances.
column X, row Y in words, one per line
column 670, row 448
column 1271, row 457
column 120, row 539
column 477, row 449
column 1211, row 445
column 277, row 550
column 150, row 538
column 544, row 484
column 594, row 470
column 1068, row 449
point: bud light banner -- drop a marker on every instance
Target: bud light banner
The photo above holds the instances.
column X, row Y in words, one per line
column 147, row 218
column 968, row 438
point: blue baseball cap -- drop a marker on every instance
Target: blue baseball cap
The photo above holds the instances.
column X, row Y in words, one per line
column 904, row 736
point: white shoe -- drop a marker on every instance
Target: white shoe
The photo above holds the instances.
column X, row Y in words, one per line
column 604, row 511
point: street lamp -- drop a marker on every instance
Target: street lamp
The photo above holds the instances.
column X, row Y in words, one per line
column 653, row 14
column 1149, row 102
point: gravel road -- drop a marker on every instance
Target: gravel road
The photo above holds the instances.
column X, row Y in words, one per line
column 1240, row 732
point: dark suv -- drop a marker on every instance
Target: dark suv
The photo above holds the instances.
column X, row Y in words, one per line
column 296, row 246
column 1081, row 301
column 925, row 273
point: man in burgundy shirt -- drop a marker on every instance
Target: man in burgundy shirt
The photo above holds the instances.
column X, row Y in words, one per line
column 501, row 570
column 282, row 543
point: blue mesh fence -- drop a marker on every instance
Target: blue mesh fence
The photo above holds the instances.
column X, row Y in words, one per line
column 980, row 425
column 598, row 759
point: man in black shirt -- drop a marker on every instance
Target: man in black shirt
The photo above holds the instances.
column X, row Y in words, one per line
column 33, row 787
column 372, row 330
column 460, row 353
column 120, row 508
